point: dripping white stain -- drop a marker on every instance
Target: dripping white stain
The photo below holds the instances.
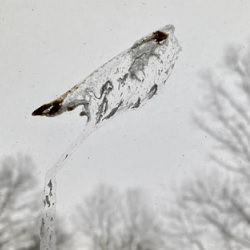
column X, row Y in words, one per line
column 126, row 82
column 120, row 83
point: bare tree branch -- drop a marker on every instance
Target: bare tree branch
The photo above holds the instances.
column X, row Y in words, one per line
column 19, row 206
column 111, row 221
column 213, row 211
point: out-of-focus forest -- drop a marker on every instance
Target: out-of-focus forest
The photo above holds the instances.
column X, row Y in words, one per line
column 20, row 204
column 210, row 211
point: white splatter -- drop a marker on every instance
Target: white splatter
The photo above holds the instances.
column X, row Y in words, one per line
column 126, row 82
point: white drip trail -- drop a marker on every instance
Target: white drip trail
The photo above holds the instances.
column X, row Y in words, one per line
column 126, row 82
column 48, row 214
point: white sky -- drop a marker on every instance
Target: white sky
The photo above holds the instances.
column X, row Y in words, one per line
column 48, row 46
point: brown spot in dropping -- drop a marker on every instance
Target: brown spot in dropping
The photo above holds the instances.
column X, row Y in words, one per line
column 70, row 108
column 82, row 113
column 49, row 109
column 41, row 109
column 159, row 36
column 53, row 108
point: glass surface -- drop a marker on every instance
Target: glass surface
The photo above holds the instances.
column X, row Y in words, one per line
column 171, row 174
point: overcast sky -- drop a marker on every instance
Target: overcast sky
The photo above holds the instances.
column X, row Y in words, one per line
column 48, row 46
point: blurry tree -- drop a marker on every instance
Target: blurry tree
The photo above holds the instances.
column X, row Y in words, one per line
column 213, row 211
column 109, row 220
column 18, row 208
column 63, row 238
column 20, row 205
